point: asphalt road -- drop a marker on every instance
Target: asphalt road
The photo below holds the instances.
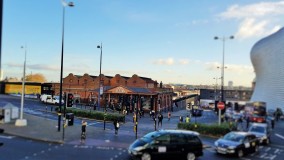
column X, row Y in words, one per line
column 16, row 148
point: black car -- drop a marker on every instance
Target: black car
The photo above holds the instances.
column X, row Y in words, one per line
column 197, row 112
column 237, row 143
column 165, row 144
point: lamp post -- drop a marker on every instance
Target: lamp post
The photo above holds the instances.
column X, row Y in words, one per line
column 223, row 39
column 21, row 121
column 64, row 4
column 100, row 83
column 216, row 85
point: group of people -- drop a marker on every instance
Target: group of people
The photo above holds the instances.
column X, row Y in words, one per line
column 84, row 129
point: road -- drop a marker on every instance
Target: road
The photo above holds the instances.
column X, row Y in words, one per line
column 20, row 148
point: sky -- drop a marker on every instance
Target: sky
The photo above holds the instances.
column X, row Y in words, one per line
column 170, row 41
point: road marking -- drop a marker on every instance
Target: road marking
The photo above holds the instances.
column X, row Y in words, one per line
column 267, row 149
column 280, row 136
column 276, row 151
column 92, row 124
column 7, row 137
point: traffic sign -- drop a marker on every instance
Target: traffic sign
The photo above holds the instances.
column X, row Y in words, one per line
column 221, row 105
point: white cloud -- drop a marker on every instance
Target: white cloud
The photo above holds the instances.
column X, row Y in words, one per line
column 183, row 61
column 256, row 20
column 168, row 61
column 233, row 68
column 254, row 10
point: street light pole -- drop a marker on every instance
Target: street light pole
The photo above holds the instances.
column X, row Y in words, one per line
column 223, row 59
column 21, row 121
column 100, row 84
column 64, row 4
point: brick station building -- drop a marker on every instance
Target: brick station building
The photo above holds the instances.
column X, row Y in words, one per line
column 118, row 92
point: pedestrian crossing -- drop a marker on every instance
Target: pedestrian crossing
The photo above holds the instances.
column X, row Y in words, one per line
column 264, row 153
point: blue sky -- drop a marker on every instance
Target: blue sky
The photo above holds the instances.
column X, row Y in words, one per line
column 167, row 40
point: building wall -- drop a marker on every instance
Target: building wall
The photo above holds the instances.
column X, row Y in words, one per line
column 267, row 57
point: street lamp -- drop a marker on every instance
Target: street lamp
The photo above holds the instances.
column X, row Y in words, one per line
column 216, row 85
column 64, row 4
column 21, row 121
column 100, row 83
column 222, row 68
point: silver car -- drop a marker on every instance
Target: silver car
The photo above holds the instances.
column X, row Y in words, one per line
column 261, row 131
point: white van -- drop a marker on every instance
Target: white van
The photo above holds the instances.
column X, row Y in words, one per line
column 45, row 98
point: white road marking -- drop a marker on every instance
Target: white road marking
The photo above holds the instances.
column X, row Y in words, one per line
column 91, row 124
column 267, row 149
column 7, row 137
column 276, row 151
column 280, row 136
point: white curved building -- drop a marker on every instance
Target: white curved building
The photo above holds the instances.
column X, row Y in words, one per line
column 267, row 57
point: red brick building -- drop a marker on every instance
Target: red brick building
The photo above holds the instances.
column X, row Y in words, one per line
column 118, row 91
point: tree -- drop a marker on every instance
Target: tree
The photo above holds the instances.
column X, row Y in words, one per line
column 36, row 78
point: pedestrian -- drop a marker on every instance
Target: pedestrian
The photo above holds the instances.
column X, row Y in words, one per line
column 134, row 117
column 169, row 115
column 272, row 123
column 247, row 121
column 187, row 119
column 116, row 126
column 160, row 119
column 83, row 131
column 180, row 119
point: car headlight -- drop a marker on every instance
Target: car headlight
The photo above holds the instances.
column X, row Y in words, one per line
column 216, row 143
column 138, row 148
column 232, row 147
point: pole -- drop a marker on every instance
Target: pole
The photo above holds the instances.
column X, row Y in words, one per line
column 136, row 119
column 23, row 85
column 219, row 115
column 222, row 73
column 64, row 116
column 21, row 121
column 61, row 71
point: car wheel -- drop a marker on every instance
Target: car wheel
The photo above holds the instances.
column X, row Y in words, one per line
column 146, row 156
column 190, row 156
column 267, row 141
column 256, row 148
column 240, row 153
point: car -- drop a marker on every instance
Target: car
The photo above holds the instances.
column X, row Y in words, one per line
column 197, row 112
column 257, row 118
column 237, row 143
column 167, row 144
column 262, row 131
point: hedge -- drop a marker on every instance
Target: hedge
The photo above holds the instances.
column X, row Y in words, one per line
column 209, row 129
column 98, row 115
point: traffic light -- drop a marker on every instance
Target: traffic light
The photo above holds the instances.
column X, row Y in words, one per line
column 70, row 98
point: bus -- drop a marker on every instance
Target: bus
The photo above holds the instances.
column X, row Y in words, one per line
column 256, row 111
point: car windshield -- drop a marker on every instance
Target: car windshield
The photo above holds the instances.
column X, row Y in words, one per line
column 234, row 137
column 257, row 129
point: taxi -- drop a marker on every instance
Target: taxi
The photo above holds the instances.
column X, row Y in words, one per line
column 237, row 143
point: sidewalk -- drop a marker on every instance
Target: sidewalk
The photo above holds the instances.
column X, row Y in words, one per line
column 44, row 129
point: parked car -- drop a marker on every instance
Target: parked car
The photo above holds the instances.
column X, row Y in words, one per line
column 257, row 118
column 196, row 112
column 167, row 144
column 237, row 143
column 50, row 99
column 262, row 131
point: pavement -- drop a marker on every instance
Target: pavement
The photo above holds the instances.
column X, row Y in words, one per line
column 43, row 129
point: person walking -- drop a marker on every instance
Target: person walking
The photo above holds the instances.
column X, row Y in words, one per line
column 187, row 119
column 272, row 123
column 169, row 115
column 160, row 119
column 116, row 126
column 248, row 120
column 180, row 119
column 83, row 131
